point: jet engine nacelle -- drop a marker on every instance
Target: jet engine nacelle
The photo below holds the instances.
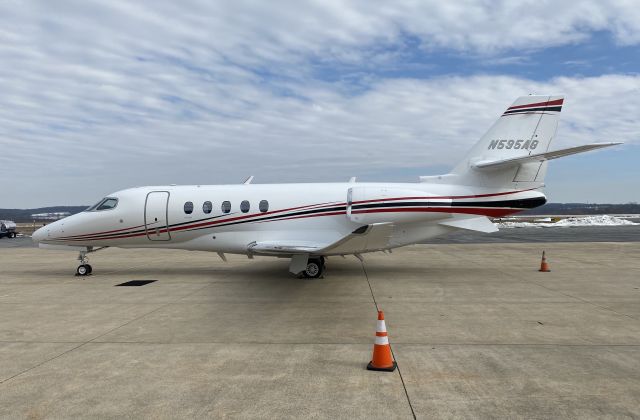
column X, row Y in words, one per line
column 368, row 205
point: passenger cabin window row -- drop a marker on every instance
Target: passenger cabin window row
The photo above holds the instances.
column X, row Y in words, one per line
column 225, row 207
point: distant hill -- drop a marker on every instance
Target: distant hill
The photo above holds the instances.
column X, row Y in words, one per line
column 24, row 215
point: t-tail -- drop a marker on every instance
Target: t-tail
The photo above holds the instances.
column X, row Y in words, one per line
column 513, row 154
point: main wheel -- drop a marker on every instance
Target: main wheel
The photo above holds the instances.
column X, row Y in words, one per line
column 83, row 270
column 89, row 268
column 315, row 268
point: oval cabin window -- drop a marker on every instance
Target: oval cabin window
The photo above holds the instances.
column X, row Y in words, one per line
column 207, row 207
column 245, row 206
column 188, row 207
column 264, row 206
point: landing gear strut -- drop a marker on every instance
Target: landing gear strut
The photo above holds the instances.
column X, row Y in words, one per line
column 315, row 268
column 84, row 269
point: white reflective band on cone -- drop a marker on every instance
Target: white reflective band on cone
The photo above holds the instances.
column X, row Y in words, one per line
column 381, row 341
column 381, row 326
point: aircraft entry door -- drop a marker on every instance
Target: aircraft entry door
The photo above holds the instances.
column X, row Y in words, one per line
column 155, row 216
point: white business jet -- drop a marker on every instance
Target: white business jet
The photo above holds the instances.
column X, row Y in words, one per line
column 501, row 175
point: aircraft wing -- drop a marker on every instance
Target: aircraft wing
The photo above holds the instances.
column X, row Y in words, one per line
column 540, row 157
column 366, row 238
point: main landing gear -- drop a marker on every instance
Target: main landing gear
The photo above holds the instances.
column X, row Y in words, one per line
column 315, row 268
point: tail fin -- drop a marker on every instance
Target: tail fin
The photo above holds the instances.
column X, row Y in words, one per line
column 526, row 128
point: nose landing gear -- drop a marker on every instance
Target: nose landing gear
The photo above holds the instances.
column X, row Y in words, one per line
column 84, row 269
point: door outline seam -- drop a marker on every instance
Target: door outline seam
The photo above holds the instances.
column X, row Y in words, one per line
column 166, row 209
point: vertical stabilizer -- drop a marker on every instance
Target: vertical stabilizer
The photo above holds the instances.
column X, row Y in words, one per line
column 527, row 127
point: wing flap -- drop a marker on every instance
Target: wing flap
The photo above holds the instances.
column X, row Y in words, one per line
column 478, row 224
column 373, row 237
column 287, row 248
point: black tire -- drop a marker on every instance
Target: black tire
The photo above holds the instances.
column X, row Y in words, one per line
column 315, row 269
column 12, row 235
column 89, row 268
column 82, row 270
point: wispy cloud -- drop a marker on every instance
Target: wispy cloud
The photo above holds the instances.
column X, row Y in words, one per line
column 97, row 97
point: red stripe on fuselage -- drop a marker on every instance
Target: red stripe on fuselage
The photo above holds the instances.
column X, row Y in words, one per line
column 102, row 233
column 480, row 211
column 450, row 197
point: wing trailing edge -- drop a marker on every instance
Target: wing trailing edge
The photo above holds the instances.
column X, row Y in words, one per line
column 478, row 224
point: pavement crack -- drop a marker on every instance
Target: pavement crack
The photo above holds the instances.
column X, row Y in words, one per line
column 404, row 386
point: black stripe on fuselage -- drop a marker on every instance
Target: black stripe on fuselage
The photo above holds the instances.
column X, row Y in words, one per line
column 525, row 203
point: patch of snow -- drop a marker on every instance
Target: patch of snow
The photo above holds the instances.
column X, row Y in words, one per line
column 503, row 225
column 599, row 220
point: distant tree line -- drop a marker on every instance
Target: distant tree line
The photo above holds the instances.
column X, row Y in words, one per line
column 24, row 215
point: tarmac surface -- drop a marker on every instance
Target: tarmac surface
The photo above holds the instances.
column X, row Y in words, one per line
column 476, row 330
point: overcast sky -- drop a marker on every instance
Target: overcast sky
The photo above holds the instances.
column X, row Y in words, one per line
column 101, row 96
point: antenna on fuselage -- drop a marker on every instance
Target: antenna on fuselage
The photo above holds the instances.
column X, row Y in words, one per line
column 248, row 180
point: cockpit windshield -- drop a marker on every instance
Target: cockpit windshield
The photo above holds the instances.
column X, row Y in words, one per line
column 107, row 203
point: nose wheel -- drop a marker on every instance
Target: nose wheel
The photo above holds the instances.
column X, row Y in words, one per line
column 83, row 270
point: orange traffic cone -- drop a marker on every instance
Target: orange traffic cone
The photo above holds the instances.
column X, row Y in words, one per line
column 382, row 358
column 544, row 267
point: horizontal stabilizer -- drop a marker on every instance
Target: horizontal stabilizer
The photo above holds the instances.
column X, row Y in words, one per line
column 479, row 224
column 540, row 157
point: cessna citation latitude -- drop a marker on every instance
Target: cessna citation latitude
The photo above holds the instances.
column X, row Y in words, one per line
column 502, row 174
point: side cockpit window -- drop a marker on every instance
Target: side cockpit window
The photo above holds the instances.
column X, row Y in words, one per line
column 108, row 203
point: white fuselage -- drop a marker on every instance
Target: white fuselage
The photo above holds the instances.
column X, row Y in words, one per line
column 321, row 214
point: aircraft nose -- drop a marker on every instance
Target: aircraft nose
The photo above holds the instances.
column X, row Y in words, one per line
column 39, row 234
